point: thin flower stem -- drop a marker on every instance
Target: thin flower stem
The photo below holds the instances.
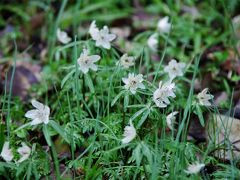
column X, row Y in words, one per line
column 145, row 171
column 52, row 40
column 83, row 88
column 52, row 147
column 163, row 55
column 56, row 162
column 10, row 90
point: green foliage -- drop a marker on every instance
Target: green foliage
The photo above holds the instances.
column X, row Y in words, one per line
column 89, row 112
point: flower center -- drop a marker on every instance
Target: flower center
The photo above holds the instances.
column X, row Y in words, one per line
column 133, row 82
column 86, row 60
column 174, row 69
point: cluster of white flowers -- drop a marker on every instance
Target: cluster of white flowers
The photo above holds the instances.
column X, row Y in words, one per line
column 163, row 26
column 102, row 36
column 7, row 153
column 39, row 115
column 161, row 96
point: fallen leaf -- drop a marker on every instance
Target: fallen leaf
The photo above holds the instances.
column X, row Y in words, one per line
column 26, row 74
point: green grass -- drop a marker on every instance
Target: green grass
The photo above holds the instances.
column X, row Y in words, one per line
column 89, row 111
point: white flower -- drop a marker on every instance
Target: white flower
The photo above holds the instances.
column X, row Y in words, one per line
column 174, row 69
column 161, row 95
column 194, row 168
column 24, row 151
column 133, row 82
column 203, row 98
column 129, row 134
column 171, row 119
column 87, row 61
column 126, row 61
column 40, row 114
column 6, row 153
column 102, row 37
column 163, row 25
column 63, row 37
column 153, row 42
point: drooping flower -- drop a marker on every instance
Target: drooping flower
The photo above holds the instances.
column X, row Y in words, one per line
column 86, row 61
column 40, row 114
column 129, row 134
column 174, row 69
column 163, row 25
column 63, row 37
column 161, row 95
column 102, row 37
column 194, row 168
column 133, row 82
column 126, row 61
column 6, row 153
column 153, row 42
column 24, row 151
column 171, row 119
column 204, row 98
column 93, row 30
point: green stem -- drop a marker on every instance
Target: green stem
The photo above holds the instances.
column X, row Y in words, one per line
column 145, row 171
column 52, row 41
column 10, row 91
column 56, row 163
column 54, row 153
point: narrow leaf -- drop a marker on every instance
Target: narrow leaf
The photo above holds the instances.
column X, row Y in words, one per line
column 59, row 130
column 200, row 116
column 47, row 135
column 89, row 83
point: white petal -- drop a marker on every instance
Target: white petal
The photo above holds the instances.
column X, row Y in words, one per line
column 46, row 120
column 141, row 86
column 37, row 105
column 46, row 110
column 94, row 31
column 139, row 77
column 94, row 58
column 84, row 69
column 125, row 80
column 31, row 114
column 94, row 67
column 111, row 37
column 106, row 44
column 36, row 121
